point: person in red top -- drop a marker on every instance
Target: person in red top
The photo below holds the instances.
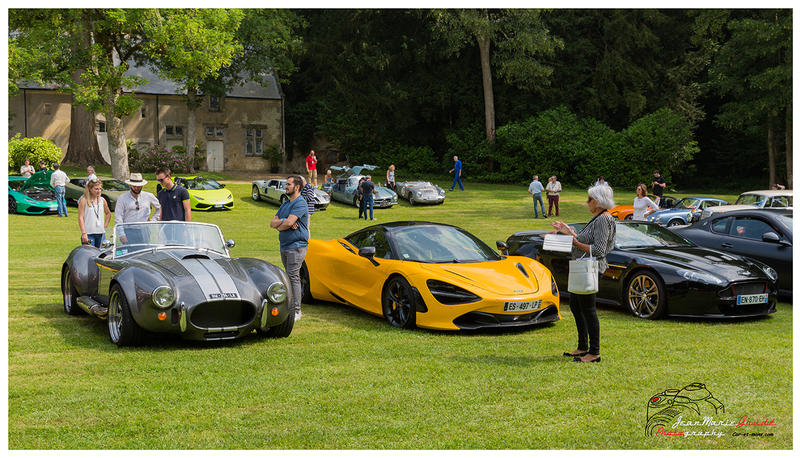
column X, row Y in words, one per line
column 311, row 167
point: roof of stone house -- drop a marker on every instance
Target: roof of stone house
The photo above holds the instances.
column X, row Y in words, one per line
column 158, row 86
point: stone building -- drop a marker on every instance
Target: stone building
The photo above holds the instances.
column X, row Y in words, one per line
column 234, row 130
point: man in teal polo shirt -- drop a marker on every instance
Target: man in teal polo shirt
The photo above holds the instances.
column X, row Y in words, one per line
column 291, row 221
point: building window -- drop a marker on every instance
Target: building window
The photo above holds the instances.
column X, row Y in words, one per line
column 254, row 141
column 174, row 131
column 144, row 112
column 100, row 127
column 215, row 133
column 47, row 109
column 213, row 103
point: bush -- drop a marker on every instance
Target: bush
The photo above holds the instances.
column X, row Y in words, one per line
column 35, row 149
column 149, row 159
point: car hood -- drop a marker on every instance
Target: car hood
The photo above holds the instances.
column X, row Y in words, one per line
column 213, row 195
column 730, row 267
column 504, row 277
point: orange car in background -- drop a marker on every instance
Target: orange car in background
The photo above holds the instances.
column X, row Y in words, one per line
column 623, row 212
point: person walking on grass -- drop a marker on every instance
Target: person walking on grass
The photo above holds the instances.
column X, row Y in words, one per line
column 457, row 176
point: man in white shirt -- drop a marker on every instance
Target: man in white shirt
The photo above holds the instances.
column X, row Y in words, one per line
column 58, row 181
column 134, row 207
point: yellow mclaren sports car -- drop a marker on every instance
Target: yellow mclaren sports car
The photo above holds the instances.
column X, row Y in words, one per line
column 206, row 194
column 429, row 275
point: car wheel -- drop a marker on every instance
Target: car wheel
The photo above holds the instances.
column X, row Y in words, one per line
column 646, row 296
column 305, row 284
column 256, row 195
column 70, row 293
column 108, row 204
column 281, row 330
column 674, row 222
column 411, row 200
column 355, row 201
column 12, row 205
column 399, row 305
column 629, row 217
column 122, row 328
column 283, row 199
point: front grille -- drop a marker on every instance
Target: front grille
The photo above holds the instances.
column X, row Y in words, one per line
column 743, row 289
column 222, row 314
column 478, row 320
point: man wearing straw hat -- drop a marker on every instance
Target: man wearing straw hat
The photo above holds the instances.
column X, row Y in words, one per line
column 134, row 207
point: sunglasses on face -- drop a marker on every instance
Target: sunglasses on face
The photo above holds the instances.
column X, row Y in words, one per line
column 589, row 200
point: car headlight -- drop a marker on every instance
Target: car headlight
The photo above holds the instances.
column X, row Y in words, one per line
column 418, row 193
column 230, row 196
column 441, row 191
column 450, row 294
column 163, row 296
column 553, row 286
column 276, row 292
column 701, row 277
column 771, row 273
column 198, row 198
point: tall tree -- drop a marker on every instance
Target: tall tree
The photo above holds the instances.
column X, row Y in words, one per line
column 47, row 46
column 520, row 37
column 190, row 45
column 751, row 52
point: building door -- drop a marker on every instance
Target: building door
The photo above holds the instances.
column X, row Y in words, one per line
column 216, row 159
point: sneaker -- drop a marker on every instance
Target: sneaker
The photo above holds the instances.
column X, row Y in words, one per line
column 297, row 316
column 374, row 219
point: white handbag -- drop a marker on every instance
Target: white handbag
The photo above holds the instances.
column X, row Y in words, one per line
column 584, row 275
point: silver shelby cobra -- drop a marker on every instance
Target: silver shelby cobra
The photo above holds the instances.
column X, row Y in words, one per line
column 175, row 277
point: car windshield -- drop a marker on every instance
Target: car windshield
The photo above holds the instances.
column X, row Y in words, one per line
column 441, row 244
column 687, row 203
column 15, row 185
column 750, row 199
column 115, row 185
column 786, row 220
column 132, row 237
column 638, row 235
column 203, row 184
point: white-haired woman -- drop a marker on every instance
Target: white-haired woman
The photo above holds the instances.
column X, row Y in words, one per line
column 598, row 236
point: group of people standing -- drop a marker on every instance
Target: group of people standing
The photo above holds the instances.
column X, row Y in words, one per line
column 553, row 190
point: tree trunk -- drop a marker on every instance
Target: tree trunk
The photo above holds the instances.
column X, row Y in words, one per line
column 772, row 149
column 117, row 150
column 488, row 92
column 191, row 125
column 789, row 174
column 83, row 148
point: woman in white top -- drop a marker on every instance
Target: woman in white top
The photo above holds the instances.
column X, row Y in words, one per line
column 641, row 204
column 93, row 214
column 390, row 177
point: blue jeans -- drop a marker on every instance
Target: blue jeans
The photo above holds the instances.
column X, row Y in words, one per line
column 369, row 201
column 292, row 260
column 96, row 239
column 457, row 179
column 538, row 198
column 62, row 201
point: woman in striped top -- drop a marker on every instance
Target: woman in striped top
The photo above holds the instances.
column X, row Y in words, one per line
column 598, row 236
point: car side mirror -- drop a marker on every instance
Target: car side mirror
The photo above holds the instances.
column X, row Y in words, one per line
column 221, row 185
column 502, row 247
column 230, row 244
column 369, row 253
column 771, row 237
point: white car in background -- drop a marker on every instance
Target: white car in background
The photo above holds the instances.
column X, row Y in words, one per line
column 781, row 198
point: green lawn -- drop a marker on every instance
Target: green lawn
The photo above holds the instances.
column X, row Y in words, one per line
column 345, row 379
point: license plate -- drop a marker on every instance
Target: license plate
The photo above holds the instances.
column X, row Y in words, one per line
column 522, row 306
column 218, row 206
column 751, row 299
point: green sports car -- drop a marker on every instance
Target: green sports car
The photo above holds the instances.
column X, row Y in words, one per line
column 112, row 188
column 30, row 199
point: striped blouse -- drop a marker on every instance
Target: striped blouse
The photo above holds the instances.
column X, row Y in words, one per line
column 600, row 234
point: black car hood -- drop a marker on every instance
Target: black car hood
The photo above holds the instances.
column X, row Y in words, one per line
column 730, row 267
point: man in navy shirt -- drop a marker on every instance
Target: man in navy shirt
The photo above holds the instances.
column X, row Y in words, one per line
column 457, row 177
column 291, row 221
column 174, row 199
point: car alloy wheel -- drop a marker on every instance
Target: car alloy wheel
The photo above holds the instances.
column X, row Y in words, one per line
column 122, row 329
column 399, row 305
column 12, row 205
column 629, row 217
column 646, row 296
column 256, row 195
column 674, row 222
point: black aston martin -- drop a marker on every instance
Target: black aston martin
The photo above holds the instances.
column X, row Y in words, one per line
column 654, row 272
